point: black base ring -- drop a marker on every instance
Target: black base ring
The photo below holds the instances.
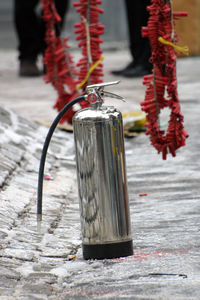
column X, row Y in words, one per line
column 111, row 250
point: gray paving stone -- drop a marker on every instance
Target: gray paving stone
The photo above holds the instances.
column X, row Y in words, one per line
column 46, row 262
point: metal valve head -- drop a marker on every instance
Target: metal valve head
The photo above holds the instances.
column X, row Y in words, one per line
column 95, row 92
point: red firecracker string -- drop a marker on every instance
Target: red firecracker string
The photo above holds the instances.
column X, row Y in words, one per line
column 60, row 69
column 162, row 83
column 88, row 32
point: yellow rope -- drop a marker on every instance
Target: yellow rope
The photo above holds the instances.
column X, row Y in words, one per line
column 93, row 66
column 184, row 50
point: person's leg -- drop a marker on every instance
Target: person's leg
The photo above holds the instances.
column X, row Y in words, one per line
column 142, row 47
column 27, row 30
column 30, row 29
column 27, row 27
column 62, row 7
column 137, row 17
column 139, row 46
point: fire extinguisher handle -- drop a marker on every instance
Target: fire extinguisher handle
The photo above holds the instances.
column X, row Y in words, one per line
column 102, row 85
column 112, row 95
column 96, row 92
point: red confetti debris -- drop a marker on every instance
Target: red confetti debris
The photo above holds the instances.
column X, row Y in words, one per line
column 48, row 177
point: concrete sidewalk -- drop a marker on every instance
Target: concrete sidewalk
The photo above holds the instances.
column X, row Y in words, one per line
column 165, row 224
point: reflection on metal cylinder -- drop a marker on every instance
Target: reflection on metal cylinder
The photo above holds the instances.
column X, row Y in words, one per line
column 101, row 176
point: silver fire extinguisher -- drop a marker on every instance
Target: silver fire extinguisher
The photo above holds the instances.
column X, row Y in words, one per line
column 101, row 176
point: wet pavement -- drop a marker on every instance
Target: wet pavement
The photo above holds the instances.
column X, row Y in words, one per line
column 46, row 262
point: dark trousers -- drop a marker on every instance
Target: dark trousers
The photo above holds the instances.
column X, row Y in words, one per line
column 138, row 17
column 30, row 27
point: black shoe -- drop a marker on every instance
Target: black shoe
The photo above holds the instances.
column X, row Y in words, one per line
column 137, row 71
column 122, row 71
column 29, row 68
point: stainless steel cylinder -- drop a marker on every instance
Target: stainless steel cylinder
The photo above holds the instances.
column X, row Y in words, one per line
column 101, row 176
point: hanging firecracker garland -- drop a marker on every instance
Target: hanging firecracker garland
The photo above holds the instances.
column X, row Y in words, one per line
column 88, row 32
column 162, row 83
column 59, row 66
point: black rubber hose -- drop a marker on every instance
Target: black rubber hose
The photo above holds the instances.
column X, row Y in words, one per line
column 44, row 152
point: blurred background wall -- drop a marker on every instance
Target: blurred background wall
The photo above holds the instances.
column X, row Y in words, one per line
column 7, row 35
column 188, row 28
column 114, row 18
